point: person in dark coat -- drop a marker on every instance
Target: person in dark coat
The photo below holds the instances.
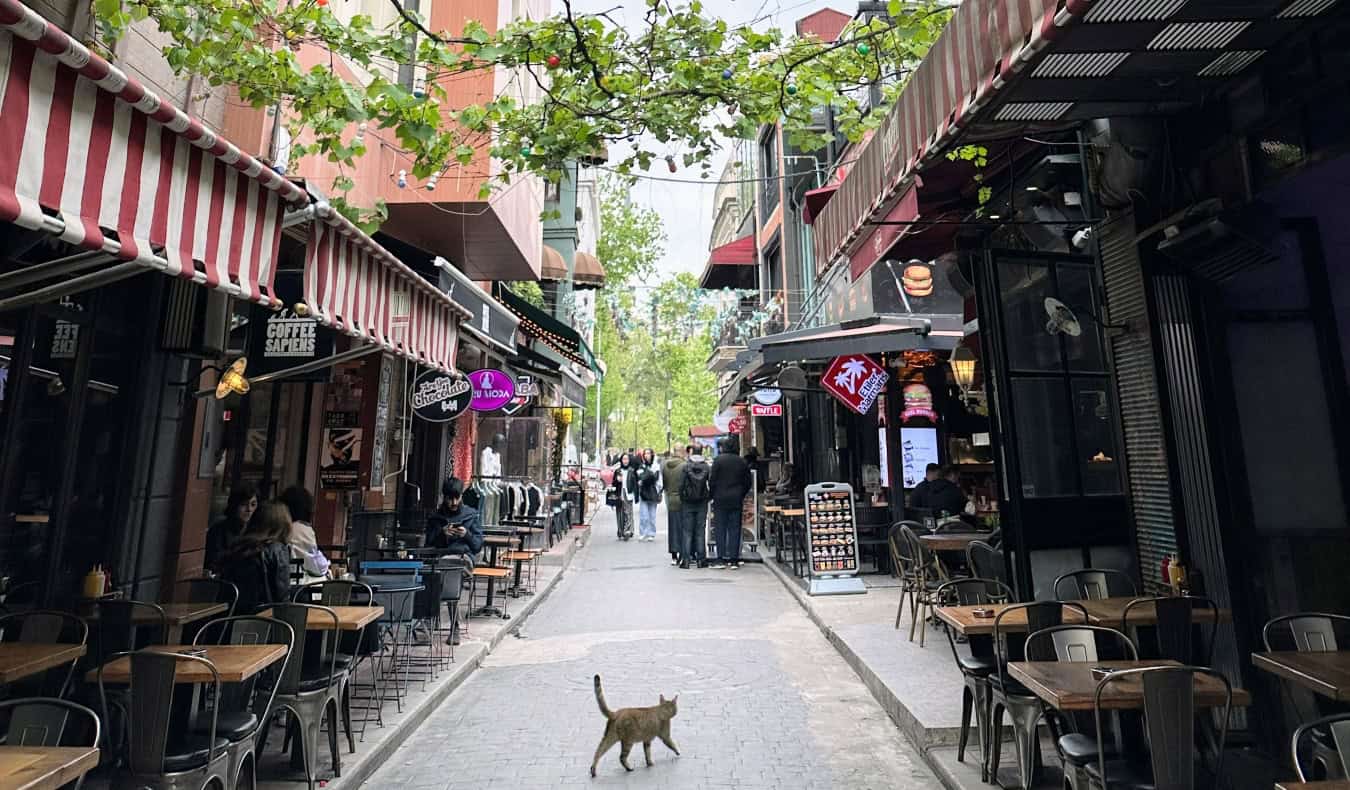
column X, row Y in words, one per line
column 729, row 480
column 455, row 528
column 239, row 510
column 259, row 562
column 937, row 494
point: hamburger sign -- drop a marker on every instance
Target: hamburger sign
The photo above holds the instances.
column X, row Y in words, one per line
column 855, row 380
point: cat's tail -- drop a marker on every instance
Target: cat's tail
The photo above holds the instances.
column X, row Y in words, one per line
column 600, row 698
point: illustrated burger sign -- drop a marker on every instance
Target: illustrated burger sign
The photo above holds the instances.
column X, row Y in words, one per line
column 440, row 397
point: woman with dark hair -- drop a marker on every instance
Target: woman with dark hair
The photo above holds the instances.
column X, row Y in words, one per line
column 625, row 491
column 304, row 543
column 259, row 562
column 649, row 495
column 239, row 510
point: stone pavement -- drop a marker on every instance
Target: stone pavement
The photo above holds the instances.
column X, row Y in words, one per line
column 765, row 701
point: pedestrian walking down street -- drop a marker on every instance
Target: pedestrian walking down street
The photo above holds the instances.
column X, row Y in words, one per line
column 729, row 480
column 649, row 495
column 624, row 494
column 670, row 481
column 694, row 495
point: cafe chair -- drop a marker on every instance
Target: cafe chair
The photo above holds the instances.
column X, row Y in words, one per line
column 204, row 589
column 985, row 561
column 1176, row 628
column 978, row 662
column 1089, row 584
column 47, row 627
column 1313, row 760
column 1008, row 695
column 117, row 629
column 162, row 753
column 310, row 691
column 1169, row 728
column 453, row 569
column 243, row 708
column 1306, row 632
column 48, row 722
column 1079, row 644
column 923, row 580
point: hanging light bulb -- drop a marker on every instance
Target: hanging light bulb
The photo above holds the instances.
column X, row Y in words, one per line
column 432, row 179
column 361, row 132
column 402, row 179
column 670, row 162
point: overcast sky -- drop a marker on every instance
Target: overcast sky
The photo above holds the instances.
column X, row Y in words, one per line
column 687, row 208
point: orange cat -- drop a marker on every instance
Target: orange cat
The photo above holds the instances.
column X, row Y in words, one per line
column 633, row 725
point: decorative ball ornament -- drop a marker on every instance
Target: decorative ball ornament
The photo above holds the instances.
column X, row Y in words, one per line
column 525, row 150
column 726, row 74
column 321, row 3
column 791, row 90
column 402, row 179
column 863, row 49
column 553, row 61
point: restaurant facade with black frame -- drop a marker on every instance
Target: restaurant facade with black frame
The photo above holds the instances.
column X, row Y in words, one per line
column 1200, row 247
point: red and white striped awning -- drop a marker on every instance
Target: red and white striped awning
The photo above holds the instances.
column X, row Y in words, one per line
column 89, row 154
column 354, row 285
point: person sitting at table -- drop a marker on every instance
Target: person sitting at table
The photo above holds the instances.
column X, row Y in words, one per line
column 454, row 527
column 259, row 562
column 239, row 510
column 304, row 543
column 938, row 494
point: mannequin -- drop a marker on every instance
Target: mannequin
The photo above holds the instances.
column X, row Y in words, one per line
column 490, row 463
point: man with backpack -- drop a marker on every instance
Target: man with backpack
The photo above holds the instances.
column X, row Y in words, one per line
column 694, row 496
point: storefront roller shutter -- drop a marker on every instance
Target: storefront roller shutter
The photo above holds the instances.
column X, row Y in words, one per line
column 1137, row 390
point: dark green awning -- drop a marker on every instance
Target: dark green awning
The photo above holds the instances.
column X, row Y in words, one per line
column 548, row 330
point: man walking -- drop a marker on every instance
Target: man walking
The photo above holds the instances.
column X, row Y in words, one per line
column 694, row 495
column 670, row 479
column 729, row 480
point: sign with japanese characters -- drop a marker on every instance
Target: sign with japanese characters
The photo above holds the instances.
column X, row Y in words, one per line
column 855, row 380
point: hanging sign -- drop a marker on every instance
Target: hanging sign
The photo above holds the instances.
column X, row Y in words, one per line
column 768, row 396
column 760, row 410
column 282, row 339
column 440, row 397
column 855, row 380
column 492, row 389
column 526, row 389
column 918, row 403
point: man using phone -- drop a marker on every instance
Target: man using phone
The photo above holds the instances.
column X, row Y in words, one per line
column 455, row 527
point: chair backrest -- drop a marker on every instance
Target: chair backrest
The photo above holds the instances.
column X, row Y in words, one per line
column 452, row 570
column 972, row 591
column 44, row 626
column 150, row 707
column 47, row 721
column 901, row 555
column 1169, row 720
column 332, row 592
column 1093, row 584
column 1040, row 616
column 251, row 630
column 1312, row 632
column 922, row 557
column 1176, row 626
column 985, row 561
column 207, row 590
column 296, row 615
column 428, row 602
column 118, row 622
column 1338, row 727
column 1082, row 643
column 396, row 594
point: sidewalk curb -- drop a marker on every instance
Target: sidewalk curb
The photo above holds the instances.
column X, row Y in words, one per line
column 466, row 662
column 898, row 713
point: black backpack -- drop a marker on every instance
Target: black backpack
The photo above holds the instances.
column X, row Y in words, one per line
column 647, row 486
column 694, row 488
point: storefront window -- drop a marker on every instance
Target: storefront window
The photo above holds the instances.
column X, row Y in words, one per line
column 1044, row 437
column 1025, row 286
column 1096, row 436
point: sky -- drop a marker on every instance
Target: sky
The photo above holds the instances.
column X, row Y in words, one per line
column 687, row 208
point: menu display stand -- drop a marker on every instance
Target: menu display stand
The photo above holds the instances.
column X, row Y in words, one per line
column 832, row 540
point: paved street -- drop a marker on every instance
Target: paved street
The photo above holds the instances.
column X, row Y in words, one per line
column 765, row 702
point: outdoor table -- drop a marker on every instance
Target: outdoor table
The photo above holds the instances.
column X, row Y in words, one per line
column 44, row 767
column 796, row 525
column 1110, row 611
column 235, row 663
column 951, row 541
column 21, row 659
column 520, row 558
column 1325, row 673
column 176, row 615
column 963, row 618
column 350, row 618
column 1070, row 686
column 1331, row 784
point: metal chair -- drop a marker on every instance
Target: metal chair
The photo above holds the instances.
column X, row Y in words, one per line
column 928, row 577
column 1080, row 644
column 978, row 664
column 243, row 708
column 1169, row 725
column 1326, row 755
column 314, row 696
column 44, row 626
column 205, row 589
column 163, row 754
column 1176, row 627
column 44, row 721
column 453, row 569
column 985, row 561
column 118, row 622
column 1006, row 694
column 1094, row 583
column 1311, row 632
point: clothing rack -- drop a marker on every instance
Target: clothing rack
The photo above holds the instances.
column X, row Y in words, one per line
column 499, row 497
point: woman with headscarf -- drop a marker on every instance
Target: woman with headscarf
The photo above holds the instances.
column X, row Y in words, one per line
column 625, row 490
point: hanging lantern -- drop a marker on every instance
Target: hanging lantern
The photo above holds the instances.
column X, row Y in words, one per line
column 962, row 361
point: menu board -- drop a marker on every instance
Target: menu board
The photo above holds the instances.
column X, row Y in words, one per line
column 832, row 535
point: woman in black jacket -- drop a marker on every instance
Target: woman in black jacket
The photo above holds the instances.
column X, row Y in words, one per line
column 259, row 563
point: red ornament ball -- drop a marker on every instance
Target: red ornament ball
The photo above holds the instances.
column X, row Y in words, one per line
column 553, row 61
column 321, row 3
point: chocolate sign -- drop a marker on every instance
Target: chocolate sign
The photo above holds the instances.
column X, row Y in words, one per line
column 440, row 397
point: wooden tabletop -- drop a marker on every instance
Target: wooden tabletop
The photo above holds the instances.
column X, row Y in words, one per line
column 1326, row 673
column 499, row 540
column 951, row 541
column 350, row 618
column 963, row 619
column 21, row 659
column 1070, row 685
column 44, row 767
column 1109, row 611
column 1333, row 784
column 235, row 663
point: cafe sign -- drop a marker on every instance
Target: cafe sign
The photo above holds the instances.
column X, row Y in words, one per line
column 763, row 410
column 492, row 389
column 440, row 397
column 855, row 380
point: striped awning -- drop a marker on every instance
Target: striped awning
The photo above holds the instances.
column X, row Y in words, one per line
column 92, row 156
column 356, row 286
column 1003, row 67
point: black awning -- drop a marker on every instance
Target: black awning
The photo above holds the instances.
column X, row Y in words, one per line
column 881, row 334
column 548, row 330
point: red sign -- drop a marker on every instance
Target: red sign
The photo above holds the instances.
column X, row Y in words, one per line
column 760, row 410
column 855, row 380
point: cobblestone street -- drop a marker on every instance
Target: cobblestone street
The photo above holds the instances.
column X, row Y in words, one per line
column 764, row 700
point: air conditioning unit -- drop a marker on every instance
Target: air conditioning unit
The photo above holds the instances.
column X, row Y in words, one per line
column 196, row 321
